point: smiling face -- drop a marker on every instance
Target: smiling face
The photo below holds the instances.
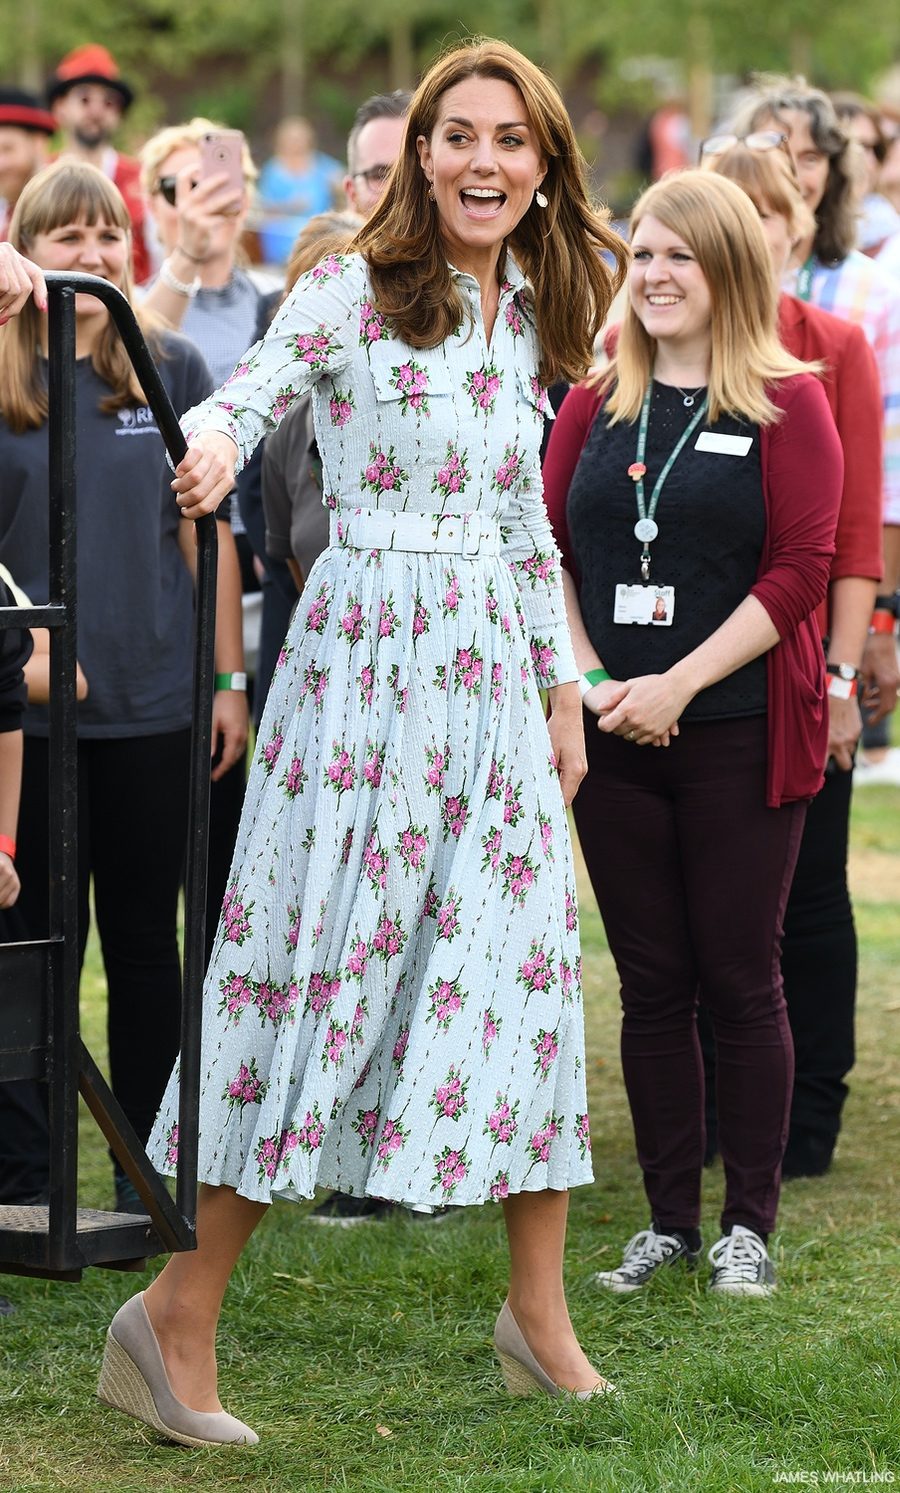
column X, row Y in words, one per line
column 484, row 165
column 98, row 248
column 667, row 288
column 812, row 163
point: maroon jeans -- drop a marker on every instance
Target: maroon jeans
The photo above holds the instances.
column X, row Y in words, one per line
column 691, row 872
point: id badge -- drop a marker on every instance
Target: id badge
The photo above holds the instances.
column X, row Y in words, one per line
column 644, row 606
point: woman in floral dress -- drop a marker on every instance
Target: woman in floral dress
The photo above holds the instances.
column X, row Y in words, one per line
column 393, row 1005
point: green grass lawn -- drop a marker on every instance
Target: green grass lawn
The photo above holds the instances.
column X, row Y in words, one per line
column 363, row 1358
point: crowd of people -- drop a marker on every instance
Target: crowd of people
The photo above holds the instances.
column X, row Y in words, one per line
column 517, row 552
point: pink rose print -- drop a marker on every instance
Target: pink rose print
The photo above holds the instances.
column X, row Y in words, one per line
column 543, row 1139
column 496, row 683
column 315, row 683
column 514, row 319
column 393, row 1139
column 358, row 959
column 274, row 1151
column 365, row 679
column 546, row 829
column 283, row 657
column 411, row 382
column 452, row 476
column 468, row 667
column 374, row 764
column 496, row 781
column 340, row 407
column 483, row 386
column 448, row 922
column 450, row 603
column 492, row 844
column 490, row 1029
column 538, row 394
column 366, row 1127
column 509, row 470
column 388, row 621
column 571, row 913
column 583, row 1134
column 276, row 1003
column 519, row 873
column 330, row 268
column 399, row 1050
column 237, row 993
column 358, row 1022
column 282, row 402
column 513, row 809
column 270, row 751
column 362, row 1080
column 246, row 1087
column 438, row 759
column 319, row 928
column 446, row 997
column 235, row 917
column 321, row 992
column 421, row 617
column 375, row 861
column 171, row 1144
column 383, row 473
column 352, row 625
column 334, row 1051
column 451, row 1168
column 538, row 568
column 240, row 371
column 566, row 980
column 537, row 972
column 315, row 348
column 491, row 604
column 401, row 695
column 432, row 904
column 311, row 1132
column 449, row 1098
column 546, row 1050
column 455, row 813
column 371, row 325
column 317, row 616
column 389, row 938
column 543, row 658
column 340, row 774
column 412, row 844
column 294, row 779
column 500, row 1187
column 292, row 938
column 502, row 1124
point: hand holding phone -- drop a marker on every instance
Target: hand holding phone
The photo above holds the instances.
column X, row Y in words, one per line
column 221, row 154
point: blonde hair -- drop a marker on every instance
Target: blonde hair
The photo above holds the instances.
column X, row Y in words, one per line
column 174, row 137
column 559, row 248
column 326, row 233
column 768, row 178
column 66, row 192
column 720, row 226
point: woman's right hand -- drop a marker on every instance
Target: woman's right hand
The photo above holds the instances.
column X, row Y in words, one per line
column 201, row 206
column 206, row 474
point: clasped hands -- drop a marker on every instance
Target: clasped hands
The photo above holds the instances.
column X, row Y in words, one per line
column 644, row 710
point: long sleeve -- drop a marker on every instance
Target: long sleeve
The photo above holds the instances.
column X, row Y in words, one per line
column 532, row 555
column 570, row 431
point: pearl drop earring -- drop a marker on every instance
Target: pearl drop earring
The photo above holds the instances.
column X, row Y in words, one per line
column 540, row 199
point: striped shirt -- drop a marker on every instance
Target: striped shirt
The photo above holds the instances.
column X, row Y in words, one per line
column 860, row 291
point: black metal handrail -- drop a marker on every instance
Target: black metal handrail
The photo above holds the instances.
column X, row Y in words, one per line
column 69, row 1062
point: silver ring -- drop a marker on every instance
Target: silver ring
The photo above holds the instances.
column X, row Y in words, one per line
column 629, row 736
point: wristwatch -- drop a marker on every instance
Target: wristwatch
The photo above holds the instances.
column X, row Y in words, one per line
column 843, row 680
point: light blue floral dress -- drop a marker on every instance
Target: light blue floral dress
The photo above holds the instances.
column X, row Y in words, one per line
column 393, row 1005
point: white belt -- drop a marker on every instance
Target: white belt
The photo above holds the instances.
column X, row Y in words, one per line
column 466, row 534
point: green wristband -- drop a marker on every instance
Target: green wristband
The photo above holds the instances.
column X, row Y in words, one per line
column 231, row 681
column 596, row 676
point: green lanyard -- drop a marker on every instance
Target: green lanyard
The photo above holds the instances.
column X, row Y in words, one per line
column 805, row 278
column 646, row 528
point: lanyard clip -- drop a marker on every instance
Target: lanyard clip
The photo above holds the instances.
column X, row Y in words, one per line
column 645, row 565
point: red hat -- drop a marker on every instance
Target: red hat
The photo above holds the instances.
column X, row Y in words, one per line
column 89, row 64
column 24, row 110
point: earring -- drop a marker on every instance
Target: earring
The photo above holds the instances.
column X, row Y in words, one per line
column 430, row 192
column 540, row 199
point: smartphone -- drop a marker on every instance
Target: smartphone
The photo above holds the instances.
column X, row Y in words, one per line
column 221, row 153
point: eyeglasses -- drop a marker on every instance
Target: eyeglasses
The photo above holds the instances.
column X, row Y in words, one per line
column 165, row 186
column 716, row 145
column 374, row 176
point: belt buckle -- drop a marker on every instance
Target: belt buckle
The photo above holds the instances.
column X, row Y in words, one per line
column 472, row 535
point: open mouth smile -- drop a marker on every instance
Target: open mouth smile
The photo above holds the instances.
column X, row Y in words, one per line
column 482, row 202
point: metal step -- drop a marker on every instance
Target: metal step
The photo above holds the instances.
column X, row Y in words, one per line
column 122, row 1241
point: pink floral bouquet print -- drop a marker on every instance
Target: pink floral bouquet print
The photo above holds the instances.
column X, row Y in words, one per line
column 538, row 568
column 450, row 602
column 411, row 382
column 236, row 921
column 398, row 1052
column 421, row 618
column 438, row 759
column 332, row 267
column 483, row 386
column 246, row 1087
column 352, row 624
column 546, row 1051
column 453, row 474
column 321, row 992
column 317, row 614
column 500, row 1187
column 537, row 972
column 340, row 407
column 412, row 847
column 294, row 778
column 376, row 861
column 541, row 1142
column 491, row 1025
column 583, row 1134
column 388, row 621
column 518, row 874
column 501, row 1124
column 314, row 685
column 389, row 938
column 273, row 1153
column 316, row 348
column 340, row 772
column 373, row 766
column 371, row 325
column 237, row 994
column 383, row 473
column 546, row 831
column 292, row 936
column 509, row 470
column 455, row 814
column 366, row 679
column 448, row 917
column 357, row 959
column 468, row 667
column 393, row 1138
column 282, row 402
column 543, row 660
column 312, row 1132
column 446, row 999
column 270, row 751
column 449, row 1098
column 170, row 1145
column 451, row 1168
column 335, row 1048
column 492, row 844
column 366, row 1127
column 276, row 1003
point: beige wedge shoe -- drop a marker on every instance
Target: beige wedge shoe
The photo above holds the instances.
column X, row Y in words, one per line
column 522, row 1373
column 134, row 1380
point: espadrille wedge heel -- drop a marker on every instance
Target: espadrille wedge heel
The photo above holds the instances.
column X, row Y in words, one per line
column 522, row 1373
column 133, row 1379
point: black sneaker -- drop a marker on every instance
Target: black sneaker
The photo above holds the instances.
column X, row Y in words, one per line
column 806, row 1155
column 741, row 1265
column 341, row 1211
column 644, row 1254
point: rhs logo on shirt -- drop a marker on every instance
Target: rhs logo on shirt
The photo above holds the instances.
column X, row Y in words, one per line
column 140, row 421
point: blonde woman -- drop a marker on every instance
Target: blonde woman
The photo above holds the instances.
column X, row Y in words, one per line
column 135, row 616
column 703, row 469
column 392, row 1007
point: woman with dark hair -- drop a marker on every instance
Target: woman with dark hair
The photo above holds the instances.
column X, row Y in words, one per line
column 135, row 621
column 703, row 467
column 393, row 1005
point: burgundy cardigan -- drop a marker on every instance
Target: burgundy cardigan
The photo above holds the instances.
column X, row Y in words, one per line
column 802, row 471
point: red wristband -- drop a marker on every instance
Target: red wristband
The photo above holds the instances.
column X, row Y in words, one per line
column 883, row 622
column 8, row 846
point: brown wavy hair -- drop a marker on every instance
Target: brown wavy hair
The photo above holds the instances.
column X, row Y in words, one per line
column 66, row 192
column 721, row 227
column 559, row 248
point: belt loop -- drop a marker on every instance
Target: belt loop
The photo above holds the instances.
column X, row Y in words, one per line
column 471, row 545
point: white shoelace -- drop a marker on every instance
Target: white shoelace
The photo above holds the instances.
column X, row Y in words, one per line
column 737, row 1258
column 645, row 1249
